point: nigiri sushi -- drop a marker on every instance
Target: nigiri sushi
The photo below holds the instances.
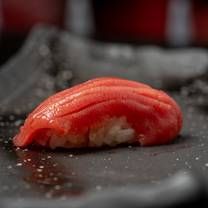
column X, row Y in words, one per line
column 103, row 112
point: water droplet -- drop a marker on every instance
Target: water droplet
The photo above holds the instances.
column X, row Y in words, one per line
column 55, row 178
column 39, row 170
column 19, row 164
column 18, row 123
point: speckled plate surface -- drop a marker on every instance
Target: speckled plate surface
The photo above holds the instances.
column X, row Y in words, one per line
column 63, row 174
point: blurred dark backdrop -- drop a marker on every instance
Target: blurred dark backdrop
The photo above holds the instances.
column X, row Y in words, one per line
column 169, row 23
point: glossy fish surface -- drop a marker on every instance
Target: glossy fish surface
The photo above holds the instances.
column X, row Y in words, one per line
column 103, row 111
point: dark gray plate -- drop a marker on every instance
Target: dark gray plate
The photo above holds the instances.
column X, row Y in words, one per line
column 108, row 177
column 69, row 174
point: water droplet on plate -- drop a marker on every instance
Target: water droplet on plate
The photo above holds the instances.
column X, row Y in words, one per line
column 19, row 164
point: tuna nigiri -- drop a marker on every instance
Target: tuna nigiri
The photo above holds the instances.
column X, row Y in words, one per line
column 103, row 111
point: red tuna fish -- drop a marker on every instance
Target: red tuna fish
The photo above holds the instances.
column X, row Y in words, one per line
column 103, row 111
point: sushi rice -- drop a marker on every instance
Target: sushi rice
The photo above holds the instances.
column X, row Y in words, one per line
column 112, row 132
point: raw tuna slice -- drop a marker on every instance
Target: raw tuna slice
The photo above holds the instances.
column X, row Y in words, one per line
column 100, row 112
